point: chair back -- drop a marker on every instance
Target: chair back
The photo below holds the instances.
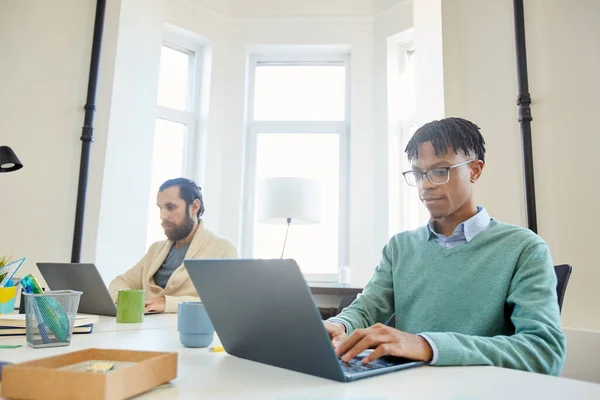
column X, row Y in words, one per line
column 563, row 273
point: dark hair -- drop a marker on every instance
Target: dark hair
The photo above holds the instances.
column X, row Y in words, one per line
column 188, row 191
column 457, row 133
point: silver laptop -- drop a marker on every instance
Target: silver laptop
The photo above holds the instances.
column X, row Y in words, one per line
column 263, row 311
column 84, row 278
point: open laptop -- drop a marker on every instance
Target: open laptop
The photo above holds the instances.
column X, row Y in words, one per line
column 263, row 311
column 85, row 278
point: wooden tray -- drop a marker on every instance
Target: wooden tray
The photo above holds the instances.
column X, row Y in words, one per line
column 52, row 378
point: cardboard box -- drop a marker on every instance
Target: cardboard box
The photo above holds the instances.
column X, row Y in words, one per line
column 47, row 378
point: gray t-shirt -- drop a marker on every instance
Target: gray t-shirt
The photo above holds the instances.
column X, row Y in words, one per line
column 171, row 263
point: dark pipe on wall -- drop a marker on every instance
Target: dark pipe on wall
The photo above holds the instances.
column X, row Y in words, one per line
column 523, row 101
column 87, row 133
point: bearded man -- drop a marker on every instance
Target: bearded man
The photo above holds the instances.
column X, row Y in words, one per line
column 161, row 272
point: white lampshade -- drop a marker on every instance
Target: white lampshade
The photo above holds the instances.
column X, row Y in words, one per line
column 289, row 197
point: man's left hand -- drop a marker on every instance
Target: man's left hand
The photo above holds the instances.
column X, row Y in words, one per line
column 386, row 341
column 155, row 304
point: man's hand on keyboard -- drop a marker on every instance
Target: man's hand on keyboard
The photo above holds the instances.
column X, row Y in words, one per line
column 386, row 341
column 337, row 332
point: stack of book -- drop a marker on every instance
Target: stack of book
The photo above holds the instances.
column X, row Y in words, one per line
column 14, row 324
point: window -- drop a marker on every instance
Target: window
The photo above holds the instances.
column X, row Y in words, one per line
column 300, row 93
column 175, row 126
column 405, row 209
column 298, row 127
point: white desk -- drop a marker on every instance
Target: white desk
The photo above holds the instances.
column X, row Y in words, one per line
column 203, row 374
column 151, row 321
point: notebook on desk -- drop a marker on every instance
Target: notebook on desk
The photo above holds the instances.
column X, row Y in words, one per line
column 14, row 324
column 263, row 311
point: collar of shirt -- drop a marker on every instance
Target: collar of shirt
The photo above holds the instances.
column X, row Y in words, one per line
column 466, row 230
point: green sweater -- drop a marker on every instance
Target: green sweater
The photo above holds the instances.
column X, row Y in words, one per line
column 491, row 301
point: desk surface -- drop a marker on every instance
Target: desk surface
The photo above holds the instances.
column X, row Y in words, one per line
column 203, row 374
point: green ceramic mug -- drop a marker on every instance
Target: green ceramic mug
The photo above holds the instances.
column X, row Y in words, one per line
column 130, row 306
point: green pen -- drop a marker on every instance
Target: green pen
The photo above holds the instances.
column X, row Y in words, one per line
column 10, row 346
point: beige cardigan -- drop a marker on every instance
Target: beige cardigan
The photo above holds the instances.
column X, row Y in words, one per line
column 205, row 244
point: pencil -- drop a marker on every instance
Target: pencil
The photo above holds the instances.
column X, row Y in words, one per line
column 216, row 349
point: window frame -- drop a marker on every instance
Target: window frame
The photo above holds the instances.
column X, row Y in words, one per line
column 191, row 116
column 195, row 48
column 401, row 129
column 254, row 128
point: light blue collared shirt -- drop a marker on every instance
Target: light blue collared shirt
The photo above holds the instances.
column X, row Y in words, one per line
column 464, row 233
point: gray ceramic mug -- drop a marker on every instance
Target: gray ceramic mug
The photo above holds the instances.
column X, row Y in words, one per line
column 193, row 324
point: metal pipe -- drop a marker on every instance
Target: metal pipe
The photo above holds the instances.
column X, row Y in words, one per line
column 87, row 133
column 523, row 101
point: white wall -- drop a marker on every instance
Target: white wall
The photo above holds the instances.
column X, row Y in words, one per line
column 564, row 82
column 394, row 20
column 45, row 49
column 121, row 239
column 582, row 355
column 305, row 8
column 430, row 61
column 480, row 84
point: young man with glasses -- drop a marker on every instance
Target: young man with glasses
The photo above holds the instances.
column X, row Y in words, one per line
column 465, row 289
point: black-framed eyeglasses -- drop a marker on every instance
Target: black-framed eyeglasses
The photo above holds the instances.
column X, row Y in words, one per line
column 437, row 176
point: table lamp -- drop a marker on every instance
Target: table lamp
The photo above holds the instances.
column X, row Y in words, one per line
column 286, row 199
column 8, row 160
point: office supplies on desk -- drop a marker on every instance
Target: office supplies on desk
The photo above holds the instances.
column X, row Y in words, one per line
column 10, row 346
column 7, row 299
column 10, row 331
column 50, row 317
column 18, row 320
column 100, row 366
column 14, row 324
column 217, row 349
column 30, row 285
column 263, row 311
column 7, row 271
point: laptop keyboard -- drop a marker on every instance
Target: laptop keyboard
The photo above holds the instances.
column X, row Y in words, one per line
column 355, row 365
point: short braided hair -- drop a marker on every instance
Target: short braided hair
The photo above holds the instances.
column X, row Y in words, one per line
column 458, row 133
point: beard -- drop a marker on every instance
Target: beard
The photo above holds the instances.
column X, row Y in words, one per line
column 181, row 231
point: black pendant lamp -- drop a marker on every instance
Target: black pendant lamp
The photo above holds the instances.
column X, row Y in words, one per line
column 8, row 160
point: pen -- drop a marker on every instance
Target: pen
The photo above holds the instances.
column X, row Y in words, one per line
column 10, row 346
column 216, row 349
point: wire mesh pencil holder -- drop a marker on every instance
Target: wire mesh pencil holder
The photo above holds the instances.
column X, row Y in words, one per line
column 50, row 317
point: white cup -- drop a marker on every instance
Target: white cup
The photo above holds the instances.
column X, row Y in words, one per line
column 344, row 275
